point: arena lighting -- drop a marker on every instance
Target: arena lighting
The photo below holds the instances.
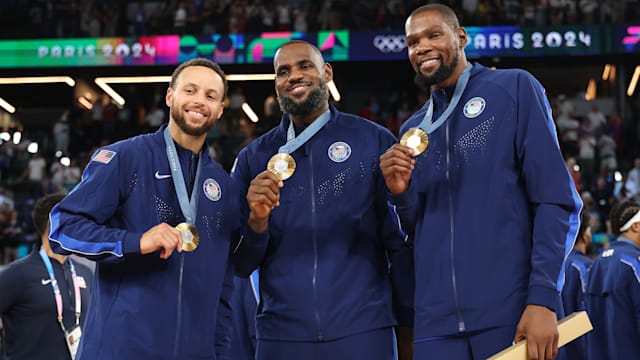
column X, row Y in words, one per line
column 5, row 136
column 17, row 136
column 634, row 81
column 8, row 107
column 590, row 94
column 103, row 82
column 32, row 148
column 606, row 72
column 85, row 102
column 65, row 161
column 249, row 111
column 335, row 94
column 39, row 80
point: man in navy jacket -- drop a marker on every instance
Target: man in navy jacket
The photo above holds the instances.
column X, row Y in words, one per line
column 322, row 238
column 157, row 295
column 489, row 205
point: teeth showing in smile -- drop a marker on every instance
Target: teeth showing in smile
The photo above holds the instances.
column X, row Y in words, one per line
column 195, row 114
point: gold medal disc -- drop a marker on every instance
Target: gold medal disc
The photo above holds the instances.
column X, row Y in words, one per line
column 189, row 234
column 416, row 139
column 282, row 165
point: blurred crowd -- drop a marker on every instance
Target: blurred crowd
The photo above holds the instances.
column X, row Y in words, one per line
column 107, row 18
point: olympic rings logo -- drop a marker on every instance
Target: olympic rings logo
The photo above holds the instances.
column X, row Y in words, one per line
column 389, row 43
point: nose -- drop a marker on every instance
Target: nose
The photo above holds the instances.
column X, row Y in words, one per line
column 423, row 46
column 295, row 75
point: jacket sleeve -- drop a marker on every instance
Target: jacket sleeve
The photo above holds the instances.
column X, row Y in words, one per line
column 250, row 251
column 224, row 325
column 10, row 287
column 554, row 200
column 79, row 223
column 399, row 250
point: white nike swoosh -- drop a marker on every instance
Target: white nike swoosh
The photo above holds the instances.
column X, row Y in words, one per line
column 46, row 281
column 160, row 177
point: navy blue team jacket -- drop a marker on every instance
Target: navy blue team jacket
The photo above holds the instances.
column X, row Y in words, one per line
column 140, row 306
column 324, row 269
column 491, row 208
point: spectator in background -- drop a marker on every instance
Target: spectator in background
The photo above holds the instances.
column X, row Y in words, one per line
column 155, row 117
column 613, row 289
column 61, row 132
column 576, row 269
column 632, row 184
column 33, row 288
column 499, row 270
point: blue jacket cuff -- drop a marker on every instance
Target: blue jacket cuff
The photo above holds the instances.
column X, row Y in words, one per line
column 544, row 296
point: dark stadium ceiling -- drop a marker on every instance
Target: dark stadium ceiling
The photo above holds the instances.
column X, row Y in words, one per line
column 557, row 75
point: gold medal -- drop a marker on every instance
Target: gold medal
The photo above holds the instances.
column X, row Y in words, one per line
column 189, row 234
column 416, row 139
column 282, row 164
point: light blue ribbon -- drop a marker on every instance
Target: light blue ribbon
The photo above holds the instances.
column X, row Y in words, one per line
column 294, row 142
column 188, row 208
column 461, row 84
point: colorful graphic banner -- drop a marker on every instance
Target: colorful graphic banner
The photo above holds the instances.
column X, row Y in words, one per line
column 342, row 45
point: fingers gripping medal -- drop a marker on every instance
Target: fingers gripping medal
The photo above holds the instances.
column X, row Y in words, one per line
column 189, row 235
column 282, row 164
column 416, row 139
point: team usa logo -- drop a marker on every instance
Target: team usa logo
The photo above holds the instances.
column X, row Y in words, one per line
column 474, row 107
column 212, row 190
column 339, row 151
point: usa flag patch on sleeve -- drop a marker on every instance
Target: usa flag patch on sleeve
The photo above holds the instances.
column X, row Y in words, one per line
column 104, row 156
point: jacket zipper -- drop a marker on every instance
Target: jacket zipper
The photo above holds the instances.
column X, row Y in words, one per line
column 315, row 250
column 461, row 325
column 176, row 346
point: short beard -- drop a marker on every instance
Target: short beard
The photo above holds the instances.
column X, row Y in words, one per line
column 441, row 74
column 178, row 117
column 315, row 100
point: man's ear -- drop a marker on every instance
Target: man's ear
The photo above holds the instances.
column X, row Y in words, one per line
column 462, row 37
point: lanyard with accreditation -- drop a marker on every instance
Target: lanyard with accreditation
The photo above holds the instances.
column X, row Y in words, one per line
column 72, row 337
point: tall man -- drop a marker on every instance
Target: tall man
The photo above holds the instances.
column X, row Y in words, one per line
column 159, row 215
column 322, row 238
column 490, row 205
column 44, row 298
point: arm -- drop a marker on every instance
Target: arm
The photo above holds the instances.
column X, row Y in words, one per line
column 397, row 165
column 80, row 223
column 250, row 251
column 10, row 287
column 556, row 209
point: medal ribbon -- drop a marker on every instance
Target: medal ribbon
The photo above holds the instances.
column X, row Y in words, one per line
column 56, row 288
column 188, row 208
column 294, row 142
column 461, row 84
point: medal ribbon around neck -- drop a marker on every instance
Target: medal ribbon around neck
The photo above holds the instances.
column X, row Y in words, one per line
column 56, row 289
column 188, row 208
column 294, row 142
column 282, row 164
column 461, row 84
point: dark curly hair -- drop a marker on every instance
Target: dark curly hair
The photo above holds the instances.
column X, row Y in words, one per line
column 621, row 213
